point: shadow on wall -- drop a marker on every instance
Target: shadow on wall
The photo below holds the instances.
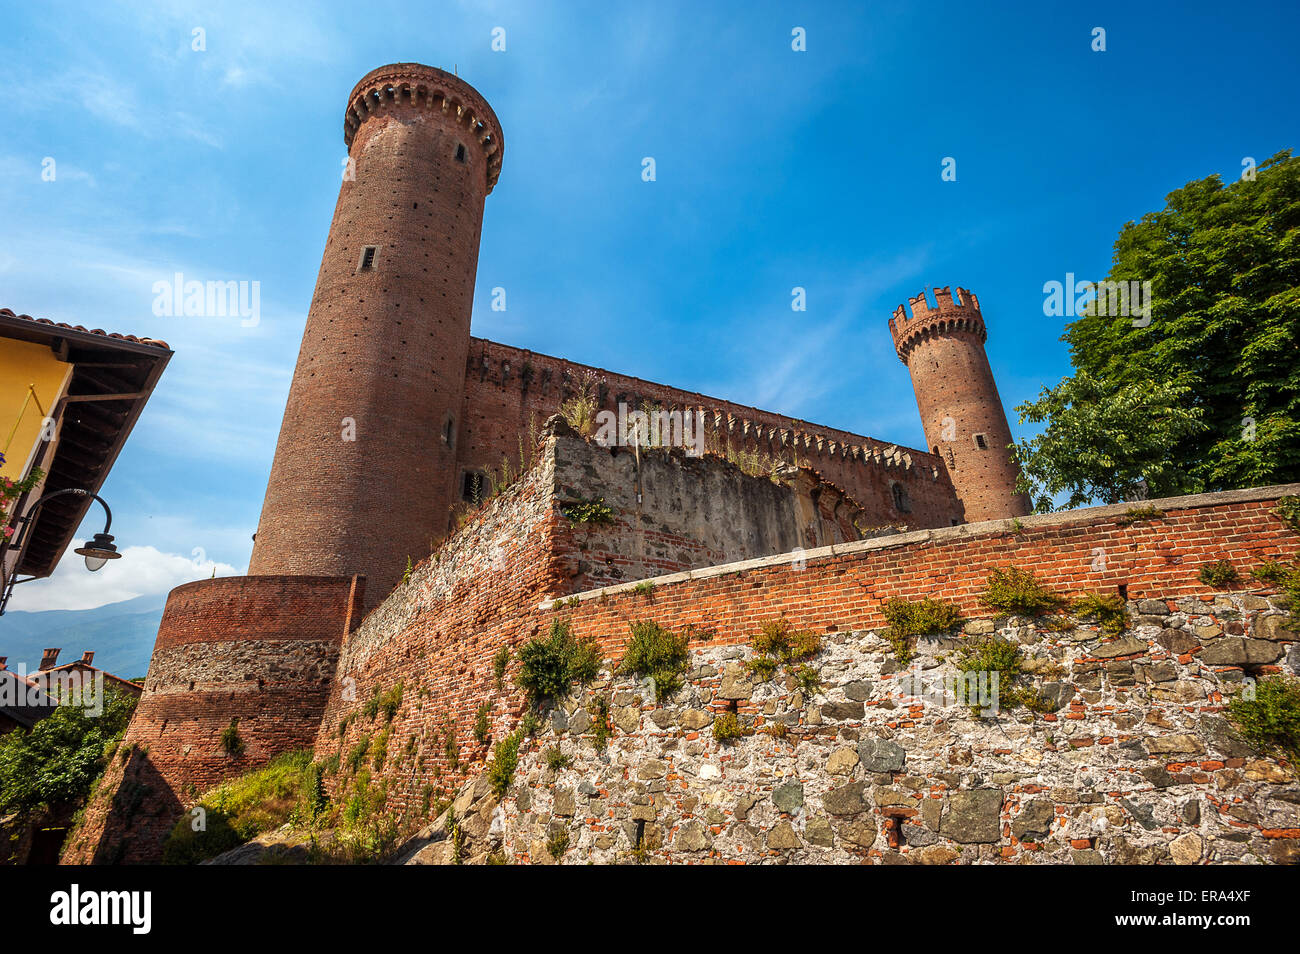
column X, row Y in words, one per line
column 141, row 811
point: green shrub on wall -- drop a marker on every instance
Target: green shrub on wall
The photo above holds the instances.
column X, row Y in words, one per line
column 909, row 619
column 1268, row 716
column 481, row 727
column 727, row 728
column 230, row 741
column 657, row 653
column 499, row 663
column 989, row 655
column 1220, row 574
column 1285, row 576
column 1110, row 612
column 1288, row 509
column 548, row 666
column 1013, row 590
column 505, row 757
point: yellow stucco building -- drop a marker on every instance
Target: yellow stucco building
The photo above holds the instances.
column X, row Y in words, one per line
column 69, row 397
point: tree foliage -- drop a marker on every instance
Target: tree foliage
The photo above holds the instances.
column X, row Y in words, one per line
column 58, row 759
column 1205, row 395
column 1104, row 445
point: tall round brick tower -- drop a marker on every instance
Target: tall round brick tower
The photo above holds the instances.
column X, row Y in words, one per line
column 365, row 465
column 943, row 348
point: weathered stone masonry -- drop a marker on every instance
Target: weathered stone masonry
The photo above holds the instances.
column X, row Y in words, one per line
column 1138, row 766
column 495, row 584
column 1140, row 721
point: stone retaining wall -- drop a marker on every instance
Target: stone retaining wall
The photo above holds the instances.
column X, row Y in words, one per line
column 1136, row 764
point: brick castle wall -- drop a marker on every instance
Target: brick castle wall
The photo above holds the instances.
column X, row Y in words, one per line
column 259, row 650
column 495, row 584
column 509, row 390
column 442, row 652
column 470, row 598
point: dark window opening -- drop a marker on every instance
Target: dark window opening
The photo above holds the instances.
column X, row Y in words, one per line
column 980, row 442
column 368, row 257
column 901, row 502
column 460, row 152
column 449, row 431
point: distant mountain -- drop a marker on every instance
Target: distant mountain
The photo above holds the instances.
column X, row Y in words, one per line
column 121, row 634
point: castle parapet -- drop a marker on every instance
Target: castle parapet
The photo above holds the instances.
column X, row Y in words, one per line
column 413, row 86
column 951, row 312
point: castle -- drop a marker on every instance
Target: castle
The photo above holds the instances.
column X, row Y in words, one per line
column 387, row 350
column 395, row 415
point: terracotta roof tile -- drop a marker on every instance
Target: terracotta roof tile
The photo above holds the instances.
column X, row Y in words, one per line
column 9, row 313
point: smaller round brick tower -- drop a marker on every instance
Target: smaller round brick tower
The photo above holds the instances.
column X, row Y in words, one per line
column 365, row 466
column 943, row 348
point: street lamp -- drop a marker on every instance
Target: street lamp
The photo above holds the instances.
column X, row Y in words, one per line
column 98, row 551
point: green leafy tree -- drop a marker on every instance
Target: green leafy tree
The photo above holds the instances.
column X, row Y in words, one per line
column 58, row 759
column 1104, row 445
column 1217, row 349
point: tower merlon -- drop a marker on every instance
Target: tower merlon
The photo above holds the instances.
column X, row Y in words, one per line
column 950, row 312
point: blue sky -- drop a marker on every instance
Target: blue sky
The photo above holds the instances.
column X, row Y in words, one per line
column 775, row 169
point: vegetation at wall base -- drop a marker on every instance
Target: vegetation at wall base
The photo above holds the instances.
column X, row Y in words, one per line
column 287, row 789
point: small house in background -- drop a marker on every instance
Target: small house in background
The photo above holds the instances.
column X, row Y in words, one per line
column 26, row 698
column 22, row 702
column 50, row 673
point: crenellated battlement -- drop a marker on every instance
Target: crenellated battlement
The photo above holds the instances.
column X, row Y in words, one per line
column 733, row 429
column 959, row 311
column 411, row 86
